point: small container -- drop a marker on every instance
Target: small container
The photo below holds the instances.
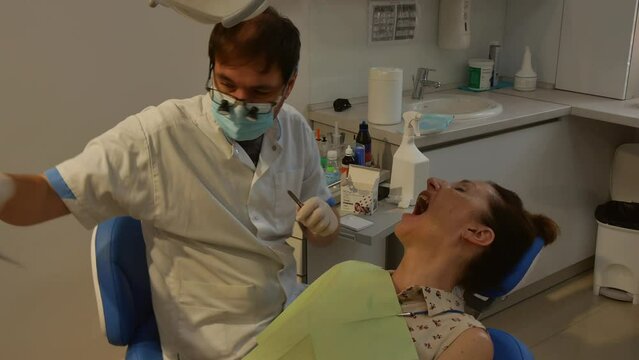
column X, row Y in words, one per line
column 323, row 148
column 347, row 160
column 332, row 168
column 385, row 95
column 479, row 73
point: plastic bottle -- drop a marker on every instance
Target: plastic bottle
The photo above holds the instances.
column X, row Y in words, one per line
column 323, row 147
column 347, row 160
column 337, row 139
column 332, row 168
column 360, row 155
column 410, row 166
column 526, row 77
column 364, row 138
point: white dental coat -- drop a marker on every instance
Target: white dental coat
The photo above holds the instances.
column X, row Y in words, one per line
column 214, row 225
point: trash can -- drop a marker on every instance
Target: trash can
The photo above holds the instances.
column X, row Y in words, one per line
column 616, row 272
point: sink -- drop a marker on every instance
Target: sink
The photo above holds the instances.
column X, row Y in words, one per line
column 463, row 107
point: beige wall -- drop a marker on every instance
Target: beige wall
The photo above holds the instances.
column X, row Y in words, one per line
column 69, row 70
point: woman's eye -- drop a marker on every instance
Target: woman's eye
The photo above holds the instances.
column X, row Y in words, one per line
column 460, row 189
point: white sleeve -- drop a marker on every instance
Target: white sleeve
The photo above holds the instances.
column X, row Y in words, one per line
column 111, row 177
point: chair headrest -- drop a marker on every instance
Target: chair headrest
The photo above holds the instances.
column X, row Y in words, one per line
column 517, row 274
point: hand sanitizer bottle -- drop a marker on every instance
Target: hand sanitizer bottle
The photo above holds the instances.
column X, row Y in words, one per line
column 410, row 166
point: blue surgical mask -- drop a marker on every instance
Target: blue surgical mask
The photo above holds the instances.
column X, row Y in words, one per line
column 241, row 120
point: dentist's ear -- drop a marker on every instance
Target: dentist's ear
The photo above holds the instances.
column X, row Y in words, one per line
column 480, row 235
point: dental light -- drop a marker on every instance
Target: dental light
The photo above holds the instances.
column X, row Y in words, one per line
column 228, row 12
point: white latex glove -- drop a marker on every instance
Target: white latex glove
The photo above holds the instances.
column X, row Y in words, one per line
column 7, row 189
column 317, row 216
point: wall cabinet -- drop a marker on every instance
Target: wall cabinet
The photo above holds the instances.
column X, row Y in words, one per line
column 598, row 50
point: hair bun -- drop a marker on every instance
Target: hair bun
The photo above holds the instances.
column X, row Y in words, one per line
column 545, row 227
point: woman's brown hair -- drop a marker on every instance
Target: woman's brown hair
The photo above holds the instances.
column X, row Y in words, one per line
column 515, row 230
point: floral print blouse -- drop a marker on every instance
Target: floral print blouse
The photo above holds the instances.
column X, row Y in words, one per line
column 443, row 321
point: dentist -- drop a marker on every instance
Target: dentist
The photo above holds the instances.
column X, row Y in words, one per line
column 208, row 178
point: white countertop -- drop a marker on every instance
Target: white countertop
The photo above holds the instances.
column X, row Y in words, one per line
column 622, row 112
column 517, row 112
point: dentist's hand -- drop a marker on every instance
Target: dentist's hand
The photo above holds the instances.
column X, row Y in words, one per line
column 7, row 189
column 317, row 216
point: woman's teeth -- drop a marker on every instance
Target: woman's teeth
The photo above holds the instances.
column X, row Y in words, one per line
column 421, row 205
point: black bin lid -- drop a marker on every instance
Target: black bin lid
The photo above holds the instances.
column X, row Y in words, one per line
column 619, row 213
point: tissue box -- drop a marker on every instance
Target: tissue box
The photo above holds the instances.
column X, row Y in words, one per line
column 359, row 190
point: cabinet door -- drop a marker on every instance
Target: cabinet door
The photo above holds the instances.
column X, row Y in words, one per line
column 596, row 47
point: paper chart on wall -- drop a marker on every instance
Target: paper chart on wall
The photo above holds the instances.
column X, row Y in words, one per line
column 391, row 21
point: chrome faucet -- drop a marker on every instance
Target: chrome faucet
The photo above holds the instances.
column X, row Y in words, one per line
column 420, row 80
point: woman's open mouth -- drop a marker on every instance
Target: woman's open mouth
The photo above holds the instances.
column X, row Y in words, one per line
column 421, row 204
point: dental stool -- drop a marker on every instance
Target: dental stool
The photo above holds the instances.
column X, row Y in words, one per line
column 122, row 288
column 616, row 273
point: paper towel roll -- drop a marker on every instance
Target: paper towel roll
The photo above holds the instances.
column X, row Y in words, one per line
column 385, row 95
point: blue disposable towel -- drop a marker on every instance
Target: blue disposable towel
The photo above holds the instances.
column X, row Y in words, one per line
column 431, row 123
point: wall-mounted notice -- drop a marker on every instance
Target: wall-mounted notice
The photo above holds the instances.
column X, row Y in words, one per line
column 391, row 20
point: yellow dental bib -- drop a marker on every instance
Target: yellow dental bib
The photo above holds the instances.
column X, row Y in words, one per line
column 350, row 312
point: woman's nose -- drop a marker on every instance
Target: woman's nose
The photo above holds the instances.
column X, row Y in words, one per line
column 436, row 184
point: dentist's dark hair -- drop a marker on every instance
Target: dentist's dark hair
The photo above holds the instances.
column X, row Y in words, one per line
column 268, row 37
column 515, row 230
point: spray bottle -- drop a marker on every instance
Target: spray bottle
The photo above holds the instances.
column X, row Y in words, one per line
column 410, row 166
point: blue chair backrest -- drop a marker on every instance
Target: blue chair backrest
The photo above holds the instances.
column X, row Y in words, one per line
column 518, row 272
column 124, row 288
column 506, row 346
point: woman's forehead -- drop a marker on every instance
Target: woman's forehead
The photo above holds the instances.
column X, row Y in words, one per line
column 482, row 187
column 487, row 188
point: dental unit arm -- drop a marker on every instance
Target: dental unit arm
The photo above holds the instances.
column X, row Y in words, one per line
column 228, row 12
column 410, row 166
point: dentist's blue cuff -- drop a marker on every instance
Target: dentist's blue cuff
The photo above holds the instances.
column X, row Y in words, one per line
column 59, row 185
column 331, row 202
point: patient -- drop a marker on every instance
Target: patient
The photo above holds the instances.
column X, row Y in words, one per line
column 467, row 235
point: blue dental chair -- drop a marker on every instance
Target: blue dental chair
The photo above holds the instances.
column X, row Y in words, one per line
column 121, row 283
column 122, row 287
